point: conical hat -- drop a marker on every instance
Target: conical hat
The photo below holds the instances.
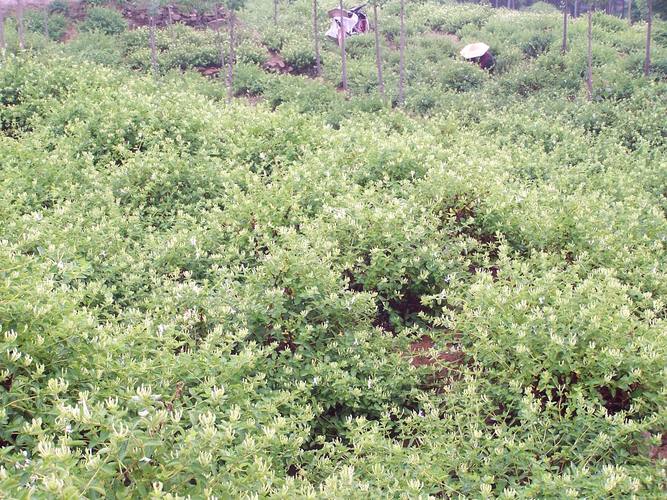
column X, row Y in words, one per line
column 338, row 13
column 474, row 50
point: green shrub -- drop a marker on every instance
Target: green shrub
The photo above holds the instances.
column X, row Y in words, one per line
column 107, row 21
column 362, row 76
column 461, row 76
column 422, row 100
column 60, row 7
column 274, row 39
column 542, row 8
column 250, row 80
column 612, row 83
column 360, row 46
column 460, row 17
column 96, row 47
column 185, row 56
column 433, row 48
column 660, row 32
column 635, row 63
column 431, row 17
column 299, row 55
column 251, row 53
column 57, row 24
column 391, row 29
column 368, row 104
column 507, row 59
column 537, row 43
column 609, row 23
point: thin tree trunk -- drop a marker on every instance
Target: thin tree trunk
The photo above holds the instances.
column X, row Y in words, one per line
column 378, row 52
column 153, row 45
column 46, row 22
column 565, row 9
column 231, row 59
column 589, row 76
column 3, row 43
column 343, row 55
column 576, row 8
column 316, row 40
column 649, row 23
column 19, row 14
column 275, row 12
column 221, row 48
column 401, row 59
column 630, row 11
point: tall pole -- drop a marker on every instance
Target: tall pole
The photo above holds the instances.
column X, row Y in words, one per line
column 649, row 23
column 151, row 40
column 343, row 55
column 316, row 38
column 401, row 60
column 46, row 21
column 20, row 30
column 3, row 44
column 221, row 48
column 378, row 53
column 589, row 76
column 565, row 9
column 231, row 58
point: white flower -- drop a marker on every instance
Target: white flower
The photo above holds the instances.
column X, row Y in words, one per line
column 13, row 354
column 143, row 413
column 217, row 393
column 205, row 458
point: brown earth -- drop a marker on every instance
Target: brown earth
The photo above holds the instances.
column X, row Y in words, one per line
column 170, row 14
column 657, row 452
column 423, row 352
column 277, row 64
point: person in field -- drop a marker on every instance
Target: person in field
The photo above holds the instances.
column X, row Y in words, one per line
column 352, row 22
column 479, row 53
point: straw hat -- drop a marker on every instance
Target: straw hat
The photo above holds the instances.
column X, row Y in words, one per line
column 474, row 50
column 338, row 13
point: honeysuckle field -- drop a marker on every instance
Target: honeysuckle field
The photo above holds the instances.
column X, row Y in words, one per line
column 314, row 296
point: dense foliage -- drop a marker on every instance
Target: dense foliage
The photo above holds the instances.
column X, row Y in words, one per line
column 104, row 20
column 315, row 295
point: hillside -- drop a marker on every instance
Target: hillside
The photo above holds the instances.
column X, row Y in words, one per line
column 312, row 293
